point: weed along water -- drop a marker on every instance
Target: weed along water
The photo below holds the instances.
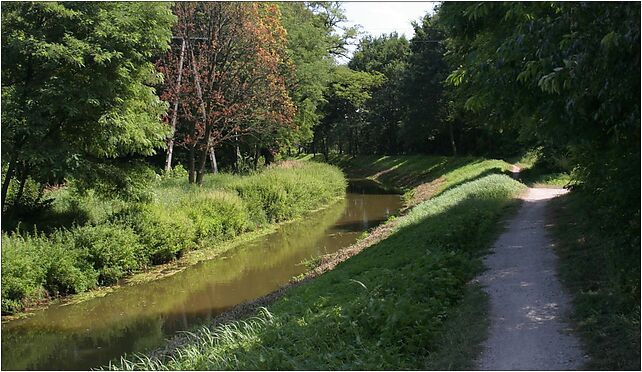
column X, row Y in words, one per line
column 139, row 318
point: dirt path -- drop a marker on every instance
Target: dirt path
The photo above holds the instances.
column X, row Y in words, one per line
column 528, row 303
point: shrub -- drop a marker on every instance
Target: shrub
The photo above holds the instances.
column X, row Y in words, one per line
column 116, row 239
column 113, row 250
column 281, row 193
column 67, row 271
column 164, row 234
column 216, row 215
column 22, row 275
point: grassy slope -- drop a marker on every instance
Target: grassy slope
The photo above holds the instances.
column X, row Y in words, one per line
column 601, row 268
column 403, row 303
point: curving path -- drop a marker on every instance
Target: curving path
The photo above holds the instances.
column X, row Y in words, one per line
column 528, row 303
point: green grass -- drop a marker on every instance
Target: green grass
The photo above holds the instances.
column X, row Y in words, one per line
column 404, row 173
column 394, row 306
column 108, row 239
column 600, row 264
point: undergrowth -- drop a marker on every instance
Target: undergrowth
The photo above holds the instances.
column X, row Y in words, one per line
column 600, row 264
column 391, row 307
column 108, row 239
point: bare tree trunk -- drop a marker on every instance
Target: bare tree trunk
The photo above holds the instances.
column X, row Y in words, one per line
column 256, row 156
column 7, row 180
column 23, row 181
column 213, row 160
column 238, row 153
column 452, row 139
column 208, row 128
column 170, row 140
column 192, row 163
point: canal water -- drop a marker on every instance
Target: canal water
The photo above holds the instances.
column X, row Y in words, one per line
column 139, row 318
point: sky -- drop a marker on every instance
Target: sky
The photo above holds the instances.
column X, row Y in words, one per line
column 385, row 17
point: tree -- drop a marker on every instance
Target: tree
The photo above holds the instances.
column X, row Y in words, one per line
column 236, row 80
column 425, row 127
column 387, row 55
column 314, row 38
column 77, row 99
column 345, row 111
column 563, row 76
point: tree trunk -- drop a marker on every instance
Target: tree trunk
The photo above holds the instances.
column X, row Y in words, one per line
column 170, row 140
column 7, row 180
column 325, row 149
column 23, row 181
column 213, row 160
column 256, row 156
column 192, row 163
column 237, row 161
column 200, row 171
column 452, row 139
column 208, row 128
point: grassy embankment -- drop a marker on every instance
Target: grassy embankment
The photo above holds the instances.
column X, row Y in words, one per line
column 600, row 264
column 404, row 303
column 108, row 240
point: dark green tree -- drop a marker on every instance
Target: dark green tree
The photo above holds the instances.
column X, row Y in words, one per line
column 314, row 39
column 77, row 95
column 387, row 55
column 344, row 122
column 424, row 127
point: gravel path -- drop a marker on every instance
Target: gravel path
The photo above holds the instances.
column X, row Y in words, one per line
column 528, row 303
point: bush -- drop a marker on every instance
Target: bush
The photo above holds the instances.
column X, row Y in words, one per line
column 164, row 234
column 36, row 266
column 113, row 250
column 117, row 239
column 22, row 275
column 67, row 271
column 281, row 193
column 216, row 215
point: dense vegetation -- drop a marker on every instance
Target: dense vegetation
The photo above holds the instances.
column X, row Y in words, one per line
column 603, row 271
column 110, row 239
column 384, row 310
column 100, row 100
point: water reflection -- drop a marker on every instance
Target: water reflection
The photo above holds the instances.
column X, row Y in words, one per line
column 138, row 318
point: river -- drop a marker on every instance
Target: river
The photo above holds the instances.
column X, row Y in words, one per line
column 138, row 318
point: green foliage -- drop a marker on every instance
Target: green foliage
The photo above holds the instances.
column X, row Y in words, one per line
column 345, row 110
column 383, row 309
column 217, row 215
column 113, row 250
column 424, row 127
column 21, row 278
column 563, row 76
column 105, row 240
column 600, row 265
column 35, row 266
column 387, row 55
column 309, row 42
column 164, row 234
column 279, row 194
column 76, row 97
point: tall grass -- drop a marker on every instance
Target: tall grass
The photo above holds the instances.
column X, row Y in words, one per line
column 108, row 239
column 383, row 309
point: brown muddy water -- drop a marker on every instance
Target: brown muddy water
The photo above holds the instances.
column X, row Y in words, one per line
column 139, row 318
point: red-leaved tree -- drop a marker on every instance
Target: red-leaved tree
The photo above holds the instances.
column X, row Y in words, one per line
column 226, row 77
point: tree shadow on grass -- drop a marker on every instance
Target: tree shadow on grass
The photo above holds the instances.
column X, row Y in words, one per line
column 383, row 309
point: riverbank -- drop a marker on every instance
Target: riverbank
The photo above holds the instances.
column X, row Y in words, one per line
column 115, row 240
column 395, row 305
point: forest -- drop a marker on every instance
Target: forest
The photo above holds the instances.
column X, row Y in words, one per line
column 136, row 132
